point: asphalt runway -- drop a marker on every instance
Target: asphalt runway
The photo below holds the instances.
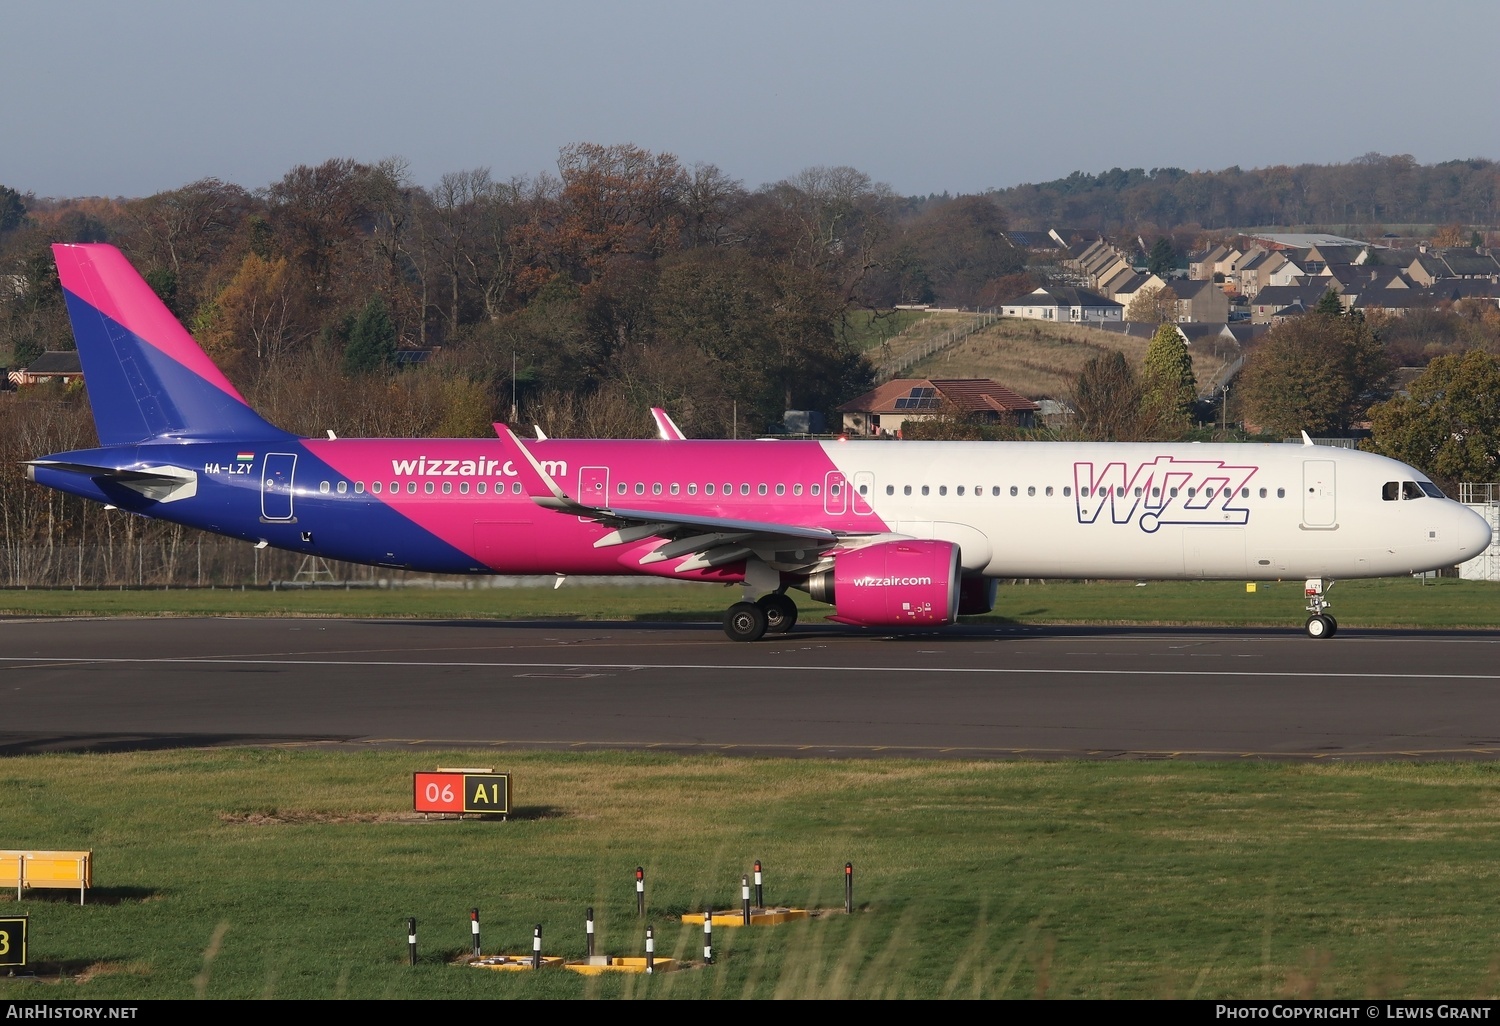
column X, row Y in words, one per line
column 969, row 692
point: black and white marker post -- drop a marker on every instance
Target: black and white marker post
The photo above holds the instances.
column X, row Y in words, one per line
column 588, row 926
column 650, row 951
column 849, row 888
column 760, row 898
column 411, row 940
column 536, row 947
column 708, row 938
column 474, row 927
column 640, row 891
column 745, row 898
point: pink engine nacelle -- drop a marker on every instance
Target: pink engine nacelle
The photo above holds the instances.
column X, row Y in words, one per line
column 897, row 583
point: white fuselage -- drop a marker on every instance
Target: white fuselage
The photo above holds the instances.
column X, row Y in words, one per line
column 1147, row 510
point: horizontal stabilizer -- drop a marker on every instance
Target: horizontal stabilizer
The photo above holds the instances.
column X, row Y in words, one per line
column 163, row 484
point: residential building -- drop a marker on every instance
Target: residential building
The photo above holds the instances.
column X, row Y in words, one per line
column 882, row 411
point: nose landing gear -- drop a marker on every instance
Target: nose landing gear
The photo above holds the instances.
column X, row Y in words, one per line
column 1319, row 624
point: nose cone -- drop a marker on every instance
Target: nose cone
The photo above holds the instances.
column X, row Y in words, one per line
column 1472, row 533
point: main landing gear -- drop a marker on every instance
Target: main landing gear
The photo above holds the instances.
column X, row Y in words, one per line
column 1319, row 624
column 770, row 614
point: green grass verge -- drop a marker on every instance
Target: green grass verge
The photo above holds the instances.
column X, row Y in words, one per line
column 1001, row 879
column 1443, row 602
column 866, row 329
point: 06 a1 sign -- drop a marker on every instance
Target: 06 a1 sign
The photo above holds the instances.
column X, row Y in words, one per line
column 459, row 793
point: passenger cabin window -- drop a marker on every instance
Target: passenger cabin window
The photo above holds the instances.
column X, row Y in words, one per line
column 906, row 489
column 796, row 489
column 375, row 487
column 708, row 489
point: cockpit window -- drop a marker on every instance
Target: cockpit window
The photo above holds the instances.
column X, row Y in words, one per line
column 1392, row 491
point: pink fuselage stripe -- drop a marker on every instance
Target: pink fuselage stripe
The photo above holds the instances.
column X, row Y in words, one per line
column 129, row 302
column 510, row 533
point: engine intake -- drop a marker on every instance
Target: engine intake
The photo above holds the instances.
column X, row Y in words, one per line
column 898, row 583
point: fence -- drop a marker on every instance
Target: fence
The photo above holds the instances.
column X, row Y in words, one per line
column 895, row 364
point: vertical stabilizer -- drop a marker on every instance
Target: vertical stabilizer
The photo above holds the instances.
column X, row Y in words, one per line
column 146, row 377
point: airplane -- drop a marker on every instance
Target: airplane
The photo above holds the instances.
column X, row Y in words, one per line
column 891, row 534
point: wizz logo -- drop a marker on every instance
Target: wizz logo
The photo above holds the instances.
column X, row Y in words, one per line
column 1164, row 491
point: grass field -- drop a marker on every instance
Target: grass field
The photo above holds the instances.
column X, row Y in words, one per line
column 1393, row 602
column 1038, row 359
column 869, row 328
column 294, row 870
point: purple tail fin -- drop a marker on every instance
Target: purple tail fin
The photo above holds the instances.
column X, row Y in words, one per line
column 146, row 377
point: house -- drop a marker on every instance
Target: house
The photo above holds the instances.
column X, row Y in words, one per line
column 1273, row 298
column 1201, row 266
column 1200, row 301
column 882, row 411
column 51, row 366
column 1065, row 305
column 1133, row 287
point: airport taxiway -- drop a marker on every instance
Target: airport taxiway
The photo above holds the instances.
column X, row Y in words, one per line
column 972, row 691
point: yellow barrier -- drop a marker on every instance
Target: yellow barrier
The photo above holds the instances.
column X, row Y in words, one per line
column 54, row 869
column 758, row 917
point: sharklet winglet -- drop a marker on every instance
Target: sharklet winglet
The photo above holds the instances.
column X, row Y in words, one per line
column 507, row 435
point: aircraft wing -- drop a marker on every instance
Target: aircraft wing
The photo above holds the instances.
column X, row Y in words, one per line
column 706, row 541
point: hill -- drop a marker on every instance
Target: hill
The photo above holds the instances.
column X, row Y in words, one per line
column 1038, row 359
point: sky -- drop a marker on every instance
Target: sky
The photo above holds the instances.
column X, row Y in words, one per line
column 130, row 98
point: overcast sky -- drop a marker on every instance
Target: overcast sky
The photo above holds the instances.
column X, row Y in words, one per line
column 130, row 98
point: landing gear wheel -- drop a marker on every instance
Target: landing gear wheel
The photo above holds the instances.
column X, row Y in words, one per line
column 745, row 621
column 1321, row 626
column 1333, row 625
column 781, row 612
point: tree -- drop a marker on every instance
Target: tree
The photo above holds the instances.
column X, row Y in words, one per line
column 1162, row 259
column 12, row 209
column 1329, row 305
column 372, row 340
column 1153, row 306
column 1108, row 400
column 1448, row 423
column 1167, row 384
column 256, row 312
column 1317, row 373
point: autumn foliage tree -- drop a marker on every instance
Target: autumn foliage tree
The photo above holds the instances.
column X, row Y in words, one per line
column 1319, row 373
column 1448, row 422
